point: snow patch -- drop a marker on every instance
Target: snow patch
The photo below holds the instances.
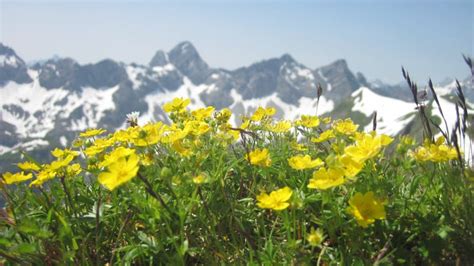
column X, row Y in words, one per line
column 449, row 111
column 134, row 73
column 8, row 60
column 329, row 86
column 155, row 101
column 63, row 141
column 392, row 115
column 27, row 146
column 43, row 107
column 288, row 111
column 304, row 72
column 163, row 70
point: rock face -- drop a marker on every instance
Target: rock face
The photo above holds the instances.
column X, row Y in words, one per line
column 49, row 103
column 59, row 73
column 68, row 74
column 342, row 81
column 12, row 67
column 186, row 58
column 160, row 59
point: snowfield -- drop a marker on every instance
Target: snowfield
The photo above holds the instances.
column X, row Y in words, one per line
column 392, row 115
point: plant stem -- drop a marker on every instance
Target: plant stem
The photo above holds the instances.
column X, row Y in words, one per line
column 97, row 224
column 150, row 191
column 68, row 197
column 129, row 215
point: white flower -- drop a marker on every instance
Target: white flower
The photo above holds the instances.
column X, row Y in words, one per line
column 132, row 118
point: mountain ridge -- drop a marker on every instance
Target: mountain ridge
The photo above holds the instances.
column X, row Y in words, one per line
column 53, row 100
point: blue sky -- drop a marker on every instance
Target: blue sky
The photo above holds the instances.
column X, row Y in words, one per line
column 375, row 37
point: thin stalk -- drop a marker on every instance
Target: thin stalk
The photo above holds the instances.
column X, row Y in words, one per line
column 321, row 255
column 45, row 196
column 150, row 191
column 129, row 215
column 97, row 224
column 206, row 207
column 68, row 197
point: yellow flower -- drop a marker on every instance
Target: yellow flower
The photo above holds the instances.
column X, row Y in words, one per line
column 277, row 200
column 61, row 162
column 299, row 147
column 44, row 175
column 308, row 121
column 367, row 146
column 176, row 105
column 435, row 152
column 178, row 147
column 262, row 113
column 280, row 127
column 27, row 166
column 346, row 127
column 326, row 120
column 116, row 155
column 146, row 159
column 122, row 135
column 148, row 135
column 420, row 154
column 223, row 116
column 73, row 170
column 326, row 135
column 197, row 128
column 259, row 157
column 366, row 208
column 349, row 166
column 226, row 135
column 235, row 134
column 301, row 162
column 270, row 111
column 326, row 178
column 99, row 146
column 199, row 179
column 92, row 132
column 119, row 172
column 58, row 153
column 16, row 178
column 315, row 237
column 203, row 113
column 443, row 153
column 173, row 133
column 407, row 140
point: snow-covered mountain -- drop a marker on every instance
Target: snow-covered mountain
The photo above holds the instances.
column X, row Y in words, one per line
column 46, row 104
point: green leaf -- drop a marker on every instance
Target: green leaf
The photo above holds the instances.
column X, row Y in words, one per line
column 184, row 247
column 4, row 242
column 25, row 248
column 28, row 227
column 444, row 231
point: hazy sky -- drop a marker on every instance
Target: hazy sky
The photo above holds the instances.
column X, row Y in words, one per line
column 375, row 37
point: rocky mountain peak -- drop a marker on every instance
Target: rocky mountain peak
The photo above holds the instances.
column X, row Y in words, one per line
column 287, row 58
column 5, row 50
column 186, row 58
column 12, row 67
column 67, row 73
column 339, row 63
column 159, row 59
column 57, row 73
column 106, row 73
column 362, row 80
column 342, row 80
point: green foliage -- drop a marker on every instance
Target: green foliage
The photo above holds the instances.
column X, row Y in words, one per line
column 195, row 198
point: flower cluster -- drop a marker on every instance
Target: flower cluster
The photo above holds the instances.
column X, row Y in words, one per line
column 218, row 179
column 435, row 152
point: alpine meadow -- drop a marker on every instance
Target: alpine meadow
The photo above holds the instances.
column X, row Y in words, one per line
column 138, row 149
